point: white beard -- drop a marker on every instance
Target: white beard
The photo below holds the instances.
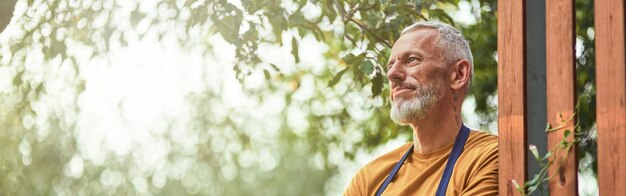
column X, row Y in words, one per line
column 414, row 109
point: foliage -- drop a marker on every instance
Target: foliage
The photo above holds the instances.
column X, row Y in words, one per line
column 585, row 85
column 561, row 149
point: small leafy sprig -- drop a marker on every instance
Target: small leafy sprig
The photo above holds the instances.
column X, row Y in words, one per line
column 546, row 161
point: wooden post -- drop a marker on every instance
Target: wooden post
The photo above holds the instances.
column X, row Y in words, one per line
column 561, row 93
column 611, row 96
column 511, row 96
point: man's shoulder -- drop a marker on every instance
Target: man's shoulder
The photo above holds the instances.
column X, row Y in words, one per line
column 482, row 139
column 477, row 172
column 482, row 143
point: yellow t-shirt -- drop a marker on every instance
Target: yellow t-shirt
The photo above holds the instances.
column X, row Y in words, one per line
column 475, row 172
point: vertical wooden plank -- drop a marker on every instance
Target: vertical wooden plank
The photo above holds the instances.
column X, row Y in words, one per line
column 611, row 96
column 561, row 92
column 511, row 96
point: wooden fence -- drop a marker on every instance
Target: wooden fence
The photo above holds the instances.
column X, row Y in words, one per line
column 560, row 92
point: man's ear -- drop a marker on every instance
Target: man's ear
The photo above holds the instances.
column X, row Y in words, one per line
column 460, row 74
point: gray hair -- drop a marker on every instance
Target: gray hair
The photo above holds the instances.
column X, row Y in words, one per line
column 453, row 45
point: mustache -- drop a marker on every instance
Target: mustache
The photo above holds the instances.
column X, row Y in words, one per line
column 399, row 86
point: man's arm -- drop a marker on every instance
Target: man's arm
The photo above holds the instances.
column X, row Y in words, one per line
column 484, row 180
column 357, row 185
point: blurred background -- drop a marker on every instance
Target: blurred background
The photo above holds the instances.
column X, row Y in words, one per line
column 224, row 97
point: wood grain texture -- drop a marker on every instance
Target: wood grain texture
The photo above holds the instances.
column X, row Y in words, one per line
column 561, row 93
column 511, row 96
column 611, row 96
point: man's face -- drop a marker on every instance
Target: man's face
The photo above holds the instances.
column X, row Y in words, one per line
column 415, row 72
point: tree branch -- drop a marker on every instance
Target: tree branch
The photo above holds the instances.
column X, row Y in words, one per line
column 365, row 28
column 347, row 17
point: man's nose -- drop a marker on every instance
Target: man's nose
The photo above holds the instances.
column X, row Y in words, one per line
column 396, row 73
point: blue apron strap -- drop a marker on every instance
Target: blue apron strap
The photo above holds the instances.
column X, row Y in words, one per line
column 459, row 144
column 382, row 187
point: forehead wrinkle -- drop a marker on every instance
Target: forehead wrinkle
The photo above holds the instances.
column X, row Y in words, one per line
column 433, row 41
column 414, row 50
column 418, row 43
column 427, row 40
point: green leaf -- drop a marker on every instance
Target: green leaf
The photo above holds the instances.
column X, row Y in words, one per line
column 532, row 188
column 294, row 49
column 367, row 67
column 534, row 180
column 267, row 74
column 350, row 59
column 337, row 77
column 566, row 134
column 377, row 84
column 274, row 67
column 418, row 5
column 548, row 155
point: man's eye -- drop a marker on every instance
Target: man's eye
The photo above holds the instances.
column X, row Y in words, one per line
column 412, row 59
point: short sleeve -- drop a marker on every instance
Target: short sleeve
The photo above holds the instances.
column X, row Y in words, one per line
column 484, row 180
column 357, row 185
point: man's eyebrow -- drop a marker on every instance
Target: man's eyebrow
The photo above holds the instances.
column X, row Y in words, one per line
column 407, row 53
column 415, row 51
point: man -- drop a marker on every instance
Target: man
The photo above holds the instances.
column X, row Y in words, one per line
column 430, row 70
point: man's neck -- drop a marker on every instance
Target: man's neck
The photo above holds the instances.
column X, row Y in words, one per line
column 437, row 129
